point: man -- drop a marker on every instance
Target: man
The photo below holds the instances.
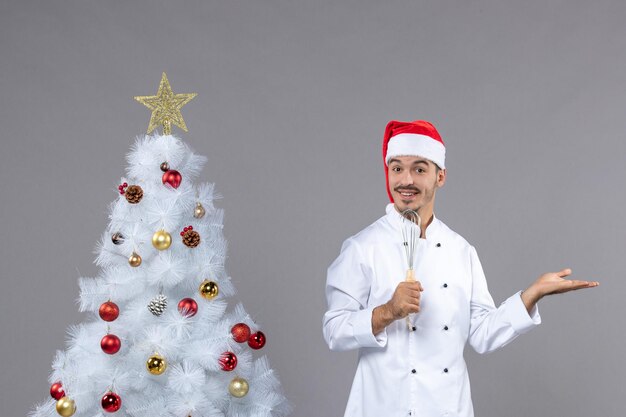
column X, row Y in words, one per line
column 419, row 370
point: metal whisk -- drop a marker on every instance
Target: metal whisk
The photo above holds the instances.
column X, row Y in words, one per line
column 411, row 229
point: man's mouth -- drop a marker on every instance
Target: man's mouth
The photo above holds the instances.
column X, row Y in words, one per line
column 408, row 193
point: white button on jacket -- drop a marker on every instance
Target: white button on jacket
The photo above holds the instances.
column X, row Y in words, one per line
column 422, row 372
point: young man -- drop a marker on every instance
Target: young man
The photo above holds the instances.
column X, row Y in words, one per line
column 418, row 369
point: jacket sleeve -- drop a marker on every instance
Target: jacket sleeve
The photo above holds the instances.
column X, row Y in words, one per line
column 490, row 327
column 348, row 321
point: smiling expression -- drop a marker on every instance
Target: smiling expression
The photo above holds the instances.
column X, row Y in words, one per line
column 413, row 182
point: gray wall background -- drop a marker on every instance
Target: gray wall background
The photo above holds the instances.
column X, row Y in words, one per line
column 294, row 95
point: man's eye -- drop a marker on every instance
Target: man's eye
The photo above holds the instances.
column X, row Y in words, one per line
column 395, row 169
column 420, row 170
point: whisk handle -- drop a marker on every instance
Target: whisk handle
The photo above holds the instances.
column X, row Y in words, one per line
column 410, row 275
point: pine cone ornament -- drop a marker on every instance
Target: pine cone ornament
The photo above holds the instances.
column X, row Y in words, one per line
column 158, row 305
column 133, row 194
column 191, row 238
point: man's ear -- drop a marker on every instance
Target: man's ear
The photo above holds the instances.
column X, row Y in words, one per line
column 441, row 177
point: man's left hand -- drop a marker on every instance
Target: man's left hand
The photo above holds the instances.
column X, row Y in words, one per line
column 553, row 283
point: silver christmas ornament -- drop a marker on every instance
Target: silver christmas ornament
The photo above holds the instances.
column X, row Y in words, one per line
column 117, row 238
column 158, row 305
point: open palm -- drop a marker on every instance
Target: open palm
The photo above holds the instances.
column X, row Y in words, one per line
column 555, row 283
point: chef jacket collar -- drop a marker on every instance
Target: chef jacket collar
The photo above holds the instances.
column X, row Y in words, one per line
column 396, row 219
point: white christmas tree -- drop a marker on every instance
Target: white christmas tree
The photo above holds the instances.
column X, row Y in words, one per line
column 161, row 340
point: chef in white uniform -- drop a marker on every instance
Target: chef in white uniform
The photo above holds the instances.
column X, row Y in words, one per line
column 418, row 369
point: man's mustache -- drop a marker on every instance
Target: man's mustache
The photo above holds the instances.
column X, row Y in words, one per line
column 400, row 189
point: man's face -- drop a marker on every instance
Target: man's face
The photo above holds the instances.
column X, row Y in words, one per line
column 413, row 181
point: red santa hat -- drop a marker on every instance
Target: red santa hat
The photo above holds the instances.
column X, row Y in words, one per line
column 417, row 138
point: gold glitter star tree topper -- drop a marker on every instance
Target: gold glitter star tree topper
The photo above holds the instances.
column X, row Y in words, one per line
column 166, row 107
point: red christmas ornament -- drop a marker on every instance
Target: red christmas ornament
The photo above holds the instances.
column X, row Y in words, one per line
column 111, row 402
column 188, row 307
column 256, row 340
column 172, row 177
column 228, row 361
column 56, row 390
column 110, row 344
column 109, row 311
column 240, row 332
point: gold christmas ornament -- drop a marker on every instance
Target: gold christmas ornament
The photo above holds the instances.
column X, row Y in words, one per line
column 156, row 364
column 199, row 211
column 134, row 260
column 161, row 240
column 238, row 387
column 165, row 167
column 66, row 407
column 208, row 289
column 166, row 107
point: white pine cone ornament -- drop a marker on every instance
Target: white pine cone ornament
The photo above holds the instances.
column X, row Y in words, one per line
column 158, row 305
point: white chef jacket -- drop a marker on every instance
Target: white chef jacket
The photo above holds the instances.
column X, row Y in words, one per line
column 419, row 372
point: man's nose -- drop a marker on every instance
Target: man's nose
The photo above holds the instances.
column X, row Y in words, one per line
column 407, row 178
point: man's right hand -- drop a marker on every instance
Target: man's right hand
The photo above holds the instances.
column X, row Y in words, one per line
column 405, row 301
